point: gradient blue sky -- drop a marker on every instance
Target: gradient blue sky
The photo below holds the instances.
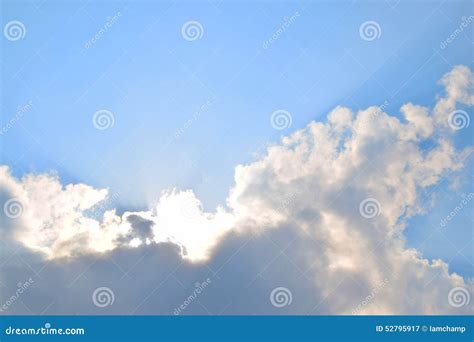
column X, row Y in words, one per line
column 153, row 81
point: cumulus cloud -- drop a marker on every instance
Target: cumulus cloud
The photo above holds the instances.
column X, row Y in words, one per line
column 61, row 221
column 53, row 218
column 459, row 86
column 333, row 197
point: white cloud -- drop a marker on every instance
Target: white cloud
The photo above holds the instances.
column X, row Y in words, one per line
column 459, row 84
column 54, row 220
column 60, row 221
column 311, row 183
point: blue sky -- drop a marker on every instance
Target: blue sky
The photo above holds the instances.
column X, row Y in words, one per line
column 153, row 81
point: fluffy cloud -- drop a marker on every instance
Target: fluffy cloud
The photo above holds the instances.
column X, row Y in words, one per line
column 53, row 219
column 61, row 221
column 459, row 85
column 339, row 193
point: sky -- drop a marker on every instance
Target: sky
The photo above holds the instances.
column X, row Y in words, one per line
column 159, row 134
